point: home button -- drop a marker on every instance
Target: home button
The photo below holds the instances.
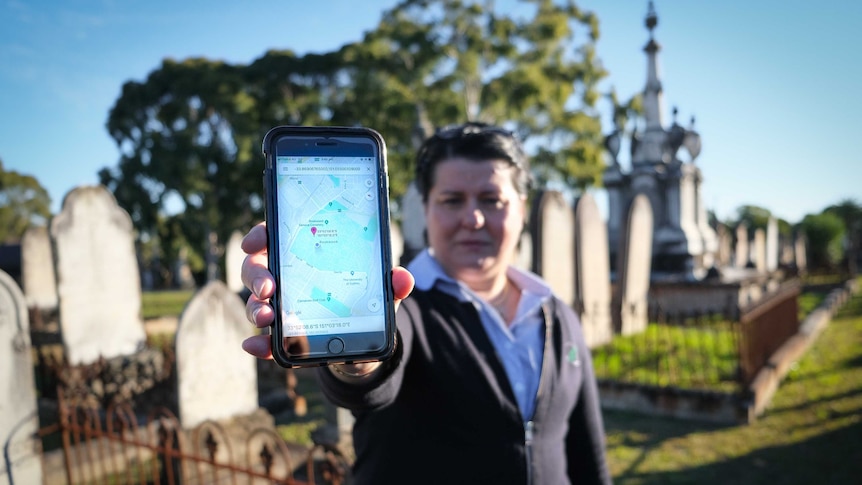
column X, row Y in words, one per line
column 335, row 346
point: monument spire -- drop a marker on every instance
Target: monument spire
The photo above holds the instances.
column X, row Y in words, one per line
column 653, row 89
column 650, row 148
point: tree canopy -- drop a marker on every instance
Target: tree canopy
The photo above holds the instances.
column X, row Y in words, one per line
column 189, row 134
column 23, row 202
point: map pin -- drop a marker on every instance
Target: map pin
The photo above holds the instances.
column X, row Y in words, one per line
column 313, row 230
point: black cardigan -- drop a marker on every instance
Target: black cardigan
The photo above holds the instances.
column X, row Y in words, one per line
column 443, row 412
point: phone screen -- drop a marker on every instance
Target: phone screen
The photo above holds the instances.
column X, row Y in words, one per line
column 333, row 255
column 329, row 242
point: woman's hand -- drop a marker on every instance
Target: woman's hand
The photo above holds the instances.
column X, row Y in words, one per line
column 257, row 278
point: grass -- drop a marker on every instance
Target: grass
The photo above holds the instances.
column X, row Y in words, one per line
column 702, row 357
column 156, row 304
column 810, row 434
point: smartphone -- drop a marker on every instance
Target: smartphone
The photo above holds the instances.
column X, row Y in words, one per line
column 328, row 243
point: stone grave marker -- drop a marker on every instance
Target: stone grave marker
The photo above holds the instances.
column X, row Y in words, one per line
column 771, row 256
column 18, row 417
column 553, row 230
column 800, row 253
column 634, row 268
column 234, row 257
column 741, row 255
column 37, row 269
column 397, row 242
column 216, row 379
column 98, row 280
column 524, row 255
column 592, row 270
column 412, row 223
column 759, row 250
column 725, row 244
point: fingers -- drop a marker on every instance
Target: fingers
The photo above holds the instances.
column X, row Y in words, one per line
column 258, row 346
column 402, row 282
column 255, row 240
column 259, row 312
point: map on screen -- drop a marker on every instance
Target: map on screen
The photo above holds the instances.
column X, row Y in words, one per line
column 330, row 255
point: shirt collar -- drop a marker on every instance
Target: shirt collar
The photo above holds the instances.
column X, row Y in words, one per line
column 427, row 272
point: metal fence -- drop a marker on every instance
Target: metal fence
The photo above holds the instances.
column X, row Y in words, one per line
column 710, row 351
column 92, row 445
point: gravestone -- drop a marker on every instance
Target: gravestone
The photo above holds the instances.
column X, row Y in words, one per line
column 758, row 252
column 18, row 417
column 634, row 268
column 800, row 253
column 37, row 269
column 234, row 257
column 216, row 379
column 98, row 280
column 741, row 255
column 412, row 223
column 183, row 277
column 771, row 256
column 397, row 242
column 524, row 256
column 592, row 271
column 725, row 245
column 553, row 230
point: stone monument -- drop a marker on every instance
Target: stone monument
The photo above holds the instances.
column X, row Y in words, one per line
column 684, row 245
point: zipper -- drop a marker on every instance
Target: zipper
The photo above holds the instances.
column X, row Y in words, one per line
column 528, row 446
column 546, row 358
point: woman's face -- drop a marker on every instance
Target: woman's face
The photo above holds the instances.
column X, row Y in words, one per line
column 474, row 217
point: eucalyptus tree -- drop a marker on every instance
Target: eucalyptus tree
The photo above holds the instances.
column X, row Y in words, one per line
column 180, row 156
column 430, row 63
column 23, row 203
column 850, row 213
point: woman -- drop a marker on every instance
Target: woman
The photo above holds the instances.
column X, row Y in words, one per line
column 492, row 382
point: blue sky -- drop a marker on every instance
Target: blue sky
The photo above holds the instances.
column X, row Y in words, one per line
column 773, row 84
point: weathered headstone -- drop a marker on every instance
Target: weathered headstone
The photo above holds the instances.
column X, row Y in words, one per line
column 759, row 250
column 524, row 257
column 800, row 253
column 98, row 280
column 725, row 244
column 397, row 242
column 234, row 256
column 634, row 268
column 553, row 230
column 216, row 379
column 771, row 256
column 412, row 223
column 18, row 417
column 183, row 277
column 37, row 269
column 592, row 269
column 741, row 255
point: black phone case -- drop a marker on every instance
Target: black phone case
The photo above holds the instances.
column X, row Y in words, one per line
column 276, row 335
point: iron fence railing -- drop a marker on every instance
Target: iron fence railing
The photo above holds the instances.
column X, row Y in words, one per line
column 710, row 351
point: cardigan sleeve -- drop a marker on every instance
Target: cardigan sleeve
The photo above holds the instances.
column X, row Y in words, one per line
column 381, row 389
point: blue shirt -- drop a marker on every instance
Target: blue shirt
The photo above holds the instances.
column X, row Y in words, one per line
column 520, row 345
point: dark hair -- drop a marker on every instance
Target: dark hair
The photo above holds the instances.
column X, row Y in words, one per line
column 476, row 142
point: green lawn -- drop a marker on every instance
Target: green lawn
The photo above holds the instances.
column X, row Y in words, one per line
column 810, row 434
column 164, row 303
column 694, row 356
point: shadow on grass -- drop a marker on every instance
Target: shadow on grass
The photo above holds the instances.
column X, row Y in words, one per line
column 833, row 458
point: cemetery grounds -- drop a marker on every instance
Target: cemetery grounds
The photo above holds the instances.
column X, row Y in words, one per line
column 810, row 433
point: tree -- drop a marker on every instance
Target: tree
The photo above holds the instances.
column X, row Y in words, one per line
column 850, row 213
column 23, row 203
column 189, row 135
column 430, row 63
column 824, row 233
column 180, row 154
